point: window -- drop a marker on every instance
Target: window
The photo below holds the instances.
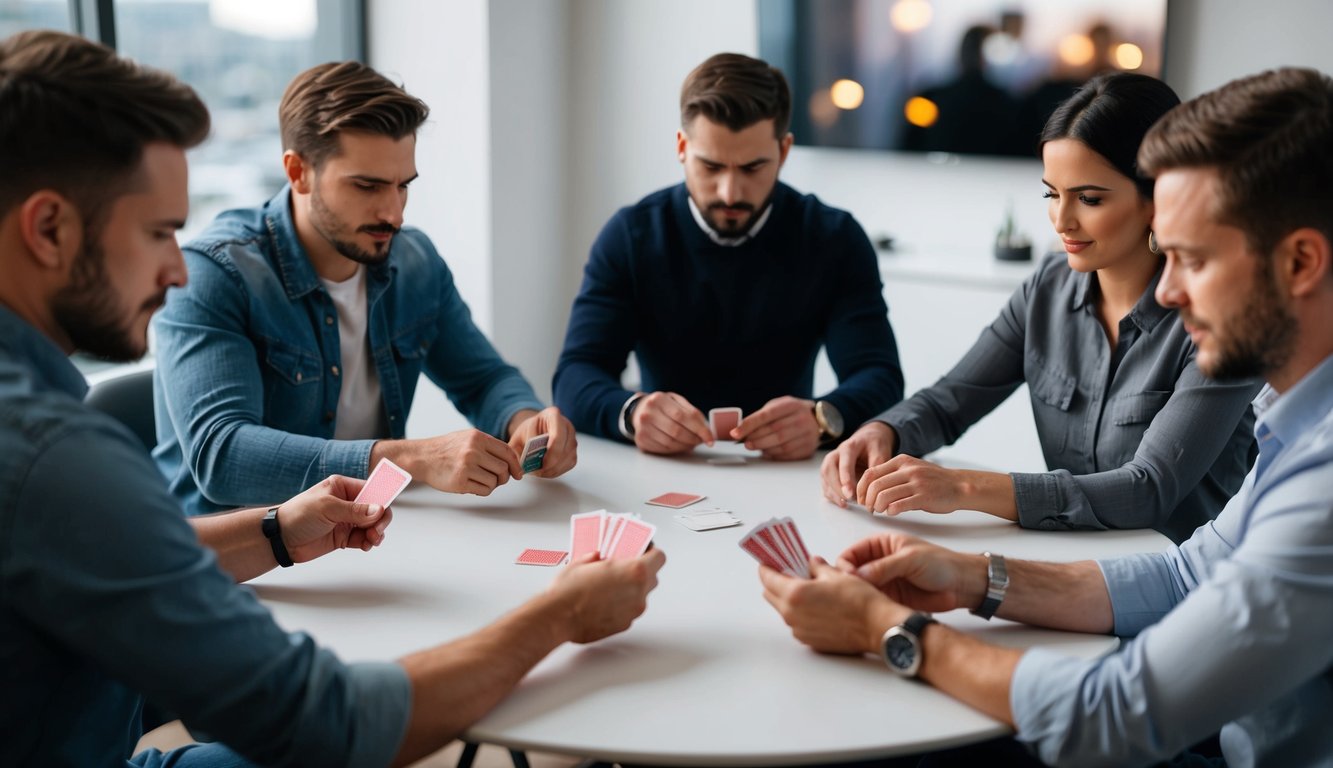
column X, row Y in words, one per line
column 238, row 54
column 18, row 15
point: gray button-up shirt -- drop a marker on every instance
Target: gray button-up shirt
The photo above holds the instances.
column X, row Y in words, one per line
column 1135, row 436
column 106, row 597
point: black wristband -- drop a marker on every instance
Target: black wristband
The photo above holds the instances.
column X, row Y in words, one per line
column 273, row 532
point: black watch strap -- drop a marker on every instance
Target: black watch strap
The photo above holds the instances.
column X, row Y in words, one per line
column 273, row 532
column 917, row 622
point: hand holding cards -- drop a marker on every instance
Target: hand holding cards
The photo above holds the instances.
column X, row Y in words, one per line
column 777, row 544
column 612, row 536
column 534, row 452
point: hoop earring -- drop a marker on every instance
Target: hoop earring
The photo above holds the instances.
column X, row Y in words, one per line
column 1152, row 242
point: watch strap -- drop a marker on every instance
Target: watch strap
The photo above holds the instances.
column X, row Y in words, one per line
column 917, row 623
column 997, row 585
column 273, row 532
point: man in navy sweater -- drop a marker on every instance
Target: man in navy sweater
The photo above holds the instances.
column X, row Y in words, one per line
column 726, row 287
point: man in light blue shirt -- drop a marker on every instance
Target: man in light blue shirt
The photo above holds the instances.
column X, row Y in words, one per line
column 109, row 597
column 1233, row 629
column 295, row 350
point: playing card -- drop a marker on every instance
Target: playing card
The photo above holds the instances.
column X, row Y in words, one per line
column 725, row 461
column 784, row 529
column 765, row 533
column 534, row 452
column 758, row 551
column 614, row 523
column 384, row 484
column 541, row 557
column 675, row 500
column 764, row 544
column 632, row 539
column 585, row 533
column 707, row 519
column 723, row 420
column 790, row 526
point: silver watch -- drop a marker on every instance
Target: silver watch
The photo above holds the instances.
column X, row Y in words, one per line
column 997, row 585
column 901, row 646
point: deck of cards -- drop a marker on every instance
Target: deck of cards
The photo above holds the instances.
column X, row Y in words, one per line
column 612, row 536
column 777, row 544
column 707, row 519
column 534, row 451
column 384, row 484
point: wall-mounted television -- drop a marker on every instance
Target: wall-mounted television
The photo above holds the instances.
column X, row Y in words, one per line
column 955, row 76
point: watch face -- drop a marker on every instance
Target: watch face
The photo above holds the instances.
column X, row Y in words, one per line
column 831, row 417
column 900, row 652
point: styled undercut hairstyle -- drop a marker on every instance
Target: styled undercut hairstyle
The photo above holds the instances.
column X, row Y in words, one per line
column 736, row 91
column 328, row 99
column 75, row 118
column 1270, row 138
column 1110, row 115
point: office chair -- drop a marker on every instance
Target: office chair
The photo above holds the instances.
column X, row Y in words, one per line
column 129, row 399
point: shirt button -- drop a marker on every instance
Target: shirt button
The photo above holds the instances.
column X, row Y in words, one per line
column 298, row 376
column 328, row 319
column 334, row 369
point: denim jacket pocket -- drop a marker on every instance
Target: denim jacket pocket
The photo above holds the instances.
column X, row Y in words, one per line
column 412, row 343
column 292, row 364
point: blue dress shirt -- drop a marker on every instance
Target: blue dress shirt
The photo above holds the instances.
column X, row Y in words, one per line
column 107, row 598
column 1234, row 626
column 249, row 361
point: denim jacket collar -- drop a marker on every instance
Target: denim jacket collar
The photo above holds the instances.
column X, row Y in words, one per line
column 31, row 349
column 1146, row 312
column 292, row 262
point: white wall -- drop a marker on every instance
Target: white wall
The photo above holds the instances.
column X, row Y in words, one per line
column 549, row 115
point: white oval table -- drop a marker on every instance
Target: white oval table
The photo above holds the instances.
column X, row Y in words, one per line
column 709, row 675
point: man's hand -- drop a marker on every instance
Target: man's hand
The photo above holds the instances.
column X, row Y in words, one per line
column 869, row 446
column 323, row 518
column 832, row 612
column 561, row 446
column 917, row 574
column 467, row 461
column 605, row 596
column 666, row 423
column 784, row 429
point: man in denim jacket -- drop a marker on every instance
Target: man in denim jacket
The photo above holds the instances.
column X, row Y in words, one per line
column 295, row 349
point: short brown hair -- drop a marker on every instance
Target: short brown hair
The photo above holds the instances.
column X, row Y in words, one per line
column 327, row 99
column 1270, row 137
column 736, row 91
column 75, row 117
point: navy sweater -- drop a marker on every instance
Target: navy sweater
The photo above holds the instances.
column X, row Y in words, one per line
column 728, row 325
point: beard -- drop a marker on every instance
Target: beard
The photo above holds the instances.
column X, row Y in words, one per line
column 712, row 214
column 1256, row 340
column 327, row 223
column 91, row 314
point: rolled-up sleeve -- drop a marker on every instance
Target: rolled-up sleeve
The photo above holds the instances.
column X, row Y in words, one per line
column 1218, row 634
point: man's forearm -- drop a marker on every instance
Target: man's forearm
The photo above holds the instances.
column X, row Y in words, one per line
column 238, row 540
column 1067, row 596
column 454, row 685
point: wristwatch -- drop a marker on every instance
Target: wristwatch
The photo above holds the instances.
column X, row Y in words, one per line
column 829, row 420
column 901, row 646
column 627, row 415
column 273, row 532
column 997, row 586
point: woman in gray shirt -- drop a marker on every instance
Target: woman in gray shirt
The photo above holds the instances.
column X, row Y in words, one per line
column 1133, row 434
